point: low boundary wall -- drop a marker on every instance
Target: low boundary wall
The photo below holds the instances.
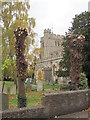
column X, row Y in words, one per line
column 54, row 105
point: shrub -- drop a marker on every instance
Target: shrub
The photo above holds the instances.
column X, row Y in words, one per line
column 83, row 84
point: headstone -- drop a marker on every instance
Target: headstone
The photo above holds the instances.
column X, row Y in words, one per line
column 33, row 88
column 4, row 102
column 39, row 85
column 60, row 81
column 13, row 89
column 0, row 88
column 65, row 80
column 48, row 90
column 28, row 88
column 5, row 89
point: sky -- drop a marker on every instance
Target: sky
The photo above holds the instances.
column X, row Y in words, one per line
column 55, row 14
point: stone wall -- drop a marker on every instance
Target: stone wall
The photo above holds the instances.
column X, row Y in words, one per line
column 47, row 64
column 66, row 102
column 51, row 44
column 54, row 105
column 33, row 112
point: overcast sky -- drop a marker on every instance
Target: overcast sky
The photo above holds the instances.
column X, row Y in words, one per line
column 55, row 14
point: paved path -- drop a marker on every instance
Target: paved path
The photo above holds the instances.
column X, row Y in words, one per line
column 83, row 114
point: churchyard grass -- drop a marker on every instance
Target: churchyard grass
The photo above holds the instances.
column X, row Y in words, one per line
column 33, row 97
column 55, row 86
column 8, row 84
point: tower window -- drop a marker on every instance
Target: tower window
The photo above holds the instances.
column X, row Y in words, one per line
column 58, row 43
column 42, row 45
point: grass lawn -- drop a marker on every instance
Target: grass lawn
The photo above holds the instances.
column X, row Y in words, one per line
column 8, row 84
column 33, row 97
column 47, row 86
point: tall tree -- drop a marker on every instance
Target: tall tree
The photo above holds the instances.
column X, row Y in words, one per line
column 81, row 25
column 64, row 65
column 14, row 14
column 21, row 34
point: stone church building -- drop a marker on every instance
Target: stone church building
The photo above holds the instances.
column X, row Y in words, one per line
column 51, row 45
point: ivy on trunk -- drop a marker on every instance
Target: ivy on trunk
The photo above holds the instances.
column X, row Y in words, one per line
column 75, row 43
column 21, row 64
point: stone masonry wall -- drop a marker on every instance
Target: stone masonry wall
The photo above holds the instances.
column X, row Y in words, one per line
column 55, row 104
column 66, row 102
column 51, row 45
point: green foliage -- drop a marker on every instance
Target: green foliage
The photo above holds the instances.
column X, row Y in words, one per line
column 64, row 65
column 33, row 97
column 81, row 25
column 8, row 84
column 14, row 14
column 48, row 86
column 62, row 73
column 6, row 64
column 83, row 82
column 7, row 69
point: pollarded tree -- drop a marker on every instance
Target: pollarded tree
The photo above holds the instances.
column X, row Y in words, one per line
column 75, row 47
column 81, row 25
column 21, row 34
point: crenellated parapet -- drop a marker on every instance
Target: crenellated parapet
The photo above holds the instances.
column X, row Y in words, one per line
column 47, row 31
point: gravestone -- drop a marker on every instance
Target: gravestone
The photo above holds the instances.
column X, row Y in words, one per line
column 4, row 101
column 5, row 89
column 28, row 88
column 13, row 89
column 0, row 88
column 39, row 85
column 48, row 90
column 60, row 81
column 33, row 88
